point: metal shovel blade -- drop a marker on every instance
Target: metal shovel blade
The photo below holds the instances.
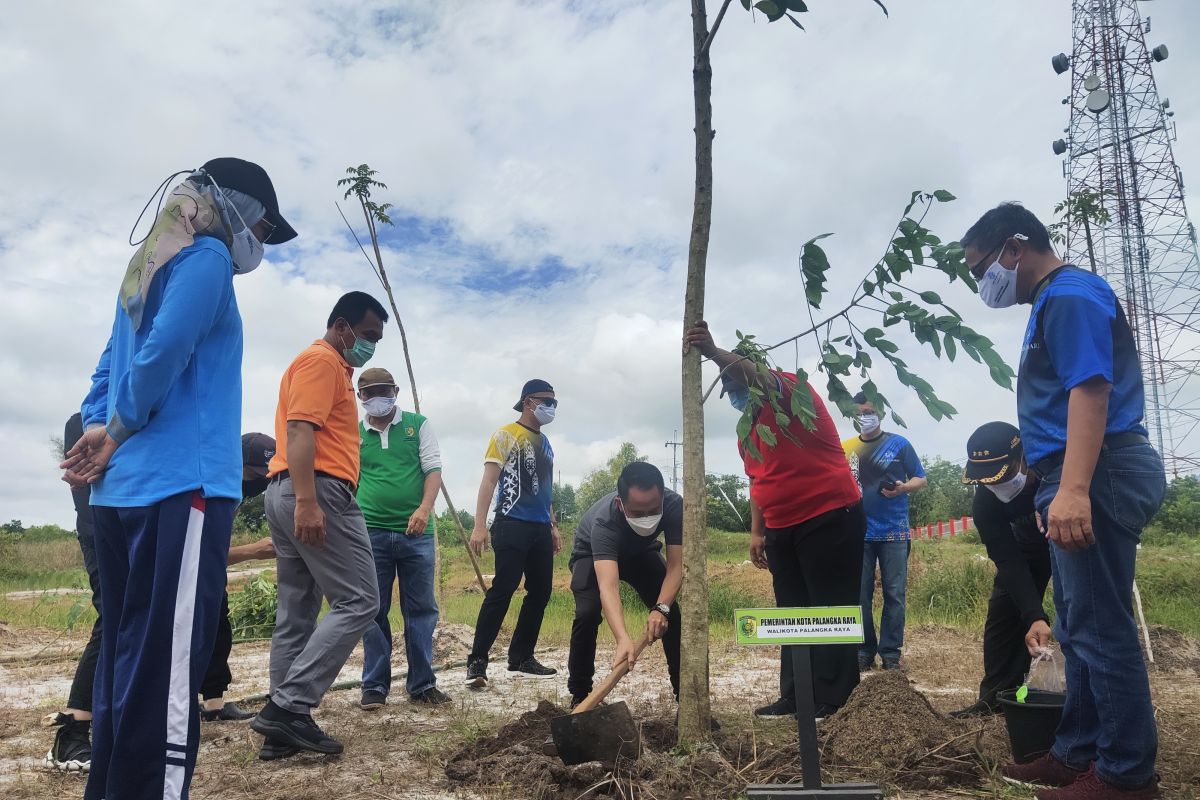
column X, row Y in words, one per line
column 603, row 734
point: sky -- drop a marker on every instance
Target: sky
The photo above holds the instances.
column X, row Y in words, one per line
column 539, row 159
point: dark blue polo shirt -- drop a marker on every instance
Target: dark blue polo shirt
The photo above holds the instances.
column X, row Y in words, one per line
column 1076, row 331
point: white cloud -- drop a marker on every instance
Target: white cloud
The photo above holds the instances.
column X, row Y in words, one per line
column 522, row 132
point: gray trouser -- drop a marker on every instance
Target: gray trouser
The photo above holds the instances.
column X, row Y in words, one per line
column 305, row 656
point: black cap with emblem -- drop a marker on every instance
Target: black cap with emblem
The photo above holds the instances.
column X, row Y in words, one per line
column 994, row 454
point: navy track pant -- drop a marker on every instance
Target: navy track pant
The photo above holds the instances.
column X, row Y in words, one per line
column 162, row 576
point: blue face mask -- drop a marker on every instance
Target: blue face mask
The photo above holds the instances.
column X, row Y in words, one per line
column 739, row 398
column 360, row 353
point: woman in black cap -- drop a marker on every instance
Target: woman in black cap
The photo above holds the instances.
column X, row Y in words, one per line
column 1004, row 515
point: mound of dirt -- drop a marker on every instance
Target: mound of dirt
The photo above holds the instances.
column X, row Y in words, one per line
column 1173, row 650
column 452, row 642
column 522, row 755
column 889, row 733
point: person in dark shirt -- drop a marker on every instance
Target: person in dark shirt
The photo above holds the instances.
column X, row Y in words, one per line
column 1005, row 517
column 1080, row 404
column 617, row 539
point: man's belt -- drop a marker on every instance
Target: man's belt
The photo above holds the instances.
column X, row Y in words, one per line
column 1112, row 441
column 318, row 474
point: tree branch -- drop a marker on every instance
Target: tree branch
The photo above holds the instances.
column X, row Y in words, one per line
column 712, row 33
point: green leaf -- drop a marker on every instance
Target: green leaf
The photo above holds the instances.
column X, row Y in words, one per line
column 746, row 4
column 868, row 288
column 881, row 5
column 942, row 196
column 770, row 8
column 912, row 201
column 813, row 265
column 767, row 436
column 743, row 427
column 897, row 263
column 795, row 22
column 931, row 297
column 951, row 348
column 898, row 419
column 795, row 5
column 872, row 335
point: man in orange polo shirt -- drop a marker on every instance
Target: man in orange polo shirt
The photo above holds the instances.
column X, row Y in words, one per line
column 321, row 541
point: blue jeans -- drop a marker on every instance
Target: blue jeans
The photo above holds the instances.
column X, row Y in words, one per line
column 409, row 559
column 892, row 558
column 1108, row 718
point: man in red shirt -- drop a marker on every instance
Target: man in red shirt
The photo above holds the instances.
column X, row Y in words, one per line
column 806, row 521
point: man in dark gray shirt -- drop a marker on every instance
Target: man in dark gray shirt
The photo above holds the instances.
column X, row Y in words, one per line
column 618, row 540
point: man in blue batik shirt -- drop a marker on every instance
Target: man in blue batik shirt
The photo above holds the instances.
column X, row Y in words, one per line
column 1080, row 406
column 162, row 452
column 888, row 471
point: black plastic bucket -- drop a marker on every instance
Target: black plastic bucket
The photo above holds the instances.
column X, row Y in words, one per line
column 1031, row 725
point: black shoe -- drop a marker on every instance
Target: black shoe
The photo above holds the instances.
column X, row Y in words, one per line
column 824, row 710
column 533, row 668
column 274, row 749
column 477, row 673
column 893, row 664
column 576, row 700
column 783, row 707
column 297, row 730
column 433, row 696
column 372, row 700
column 230, row 712
column 72, row 748
column 865, row 663
column 980, row 708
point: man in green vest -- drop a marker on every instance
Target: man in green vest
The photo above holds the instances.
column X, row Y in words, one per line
column 401, row 476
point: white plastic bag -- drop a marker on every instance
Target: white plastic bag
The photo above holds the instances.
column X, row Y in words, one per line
column 1046, row 671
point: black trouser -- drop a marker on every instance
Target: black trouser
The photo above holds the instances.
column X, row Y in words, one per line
column 218, row 677
column 1005, row 657
column 522, row 548
column 819, row 563
column 645, row 572
column 85, row 671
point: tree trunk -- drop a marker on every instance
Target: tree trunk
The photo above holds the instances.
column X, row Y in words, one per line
column 412, row 383
column 694, row 710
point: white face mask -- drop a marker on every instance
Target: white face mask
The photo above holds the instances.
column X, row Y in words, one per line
column 868, row 423
column 1006, row 492
column 544, row 414
column 379, row 406
column 998, row 286
column 245, row 249
column 644, row 526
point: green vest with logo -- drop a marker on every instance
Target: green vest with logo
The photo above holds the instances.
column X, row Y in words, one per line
column 392, row 483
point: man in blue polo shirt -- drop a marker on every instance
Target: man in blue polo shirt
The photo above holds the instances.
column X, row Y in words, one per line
column 1080, row 405
column 162, row 452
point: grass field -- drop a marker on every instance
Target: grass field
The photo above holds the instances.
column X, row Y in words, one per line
column 949, row 584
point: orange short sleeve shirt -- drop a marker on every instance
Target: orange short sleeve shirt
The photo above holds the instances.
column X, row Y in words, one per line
column 317, row 388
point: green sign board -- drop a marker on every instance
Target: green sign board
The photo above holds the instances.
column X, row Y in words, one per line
column 818, row 625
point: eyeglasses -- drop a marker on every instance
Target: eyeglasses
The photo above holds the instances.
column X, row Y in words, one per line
column 543, row 401
column 982, row 265
column 267, row 228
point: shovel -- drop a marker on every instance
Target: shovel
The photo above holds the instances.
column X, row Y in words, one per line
column 599, row 734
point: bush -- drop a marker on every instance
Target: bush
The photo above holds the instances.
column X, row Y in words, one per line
column 951, row 590
column 252, row 610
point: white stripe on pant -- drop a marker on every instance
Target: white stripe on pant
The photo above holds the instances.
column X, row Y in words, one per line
column 180, row 698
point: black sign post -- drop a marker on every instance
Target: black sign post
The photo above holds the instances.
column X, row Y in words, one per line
column 810, row 754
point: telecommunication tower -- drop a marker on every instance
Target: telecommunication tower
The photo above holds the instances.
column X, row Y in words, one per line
column 1119, row 150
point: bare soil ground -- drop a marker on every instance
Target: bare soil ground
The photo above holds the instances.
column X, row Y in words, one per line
column 402, row 750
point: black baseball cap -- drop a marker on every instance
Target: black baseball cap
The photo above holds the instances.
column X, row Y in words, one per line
column 535, row 385
column 250, row 178
column 257, row 451
column 994, row 454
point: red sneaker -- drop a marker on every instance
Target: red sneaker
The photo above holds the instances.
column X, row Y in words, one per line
column 1090, row 787
column 1046, row 771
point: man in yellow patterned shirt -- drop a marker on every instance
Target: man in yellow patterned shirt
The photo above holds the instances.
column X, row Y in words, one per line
column 518, row 472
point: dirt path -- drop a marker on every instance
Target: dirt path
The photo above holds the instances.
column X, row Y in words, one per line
column 399, row 751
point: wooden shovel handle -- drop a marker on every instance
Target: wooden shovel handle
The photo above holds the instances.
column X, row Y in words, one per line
column 611, row 680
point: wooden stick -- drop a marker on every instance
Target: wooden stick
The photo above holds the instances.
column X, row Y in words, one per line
column 1137, row 602
column 600, row 692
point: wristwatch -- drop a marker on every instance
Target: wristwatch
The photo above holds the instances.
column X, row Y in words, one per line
column 662, row 608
